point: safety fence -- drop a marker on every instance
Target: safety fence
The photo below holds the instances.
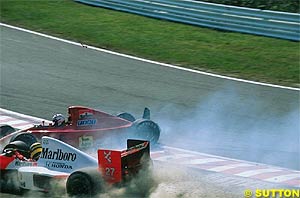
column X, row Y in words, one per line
column 246, row 20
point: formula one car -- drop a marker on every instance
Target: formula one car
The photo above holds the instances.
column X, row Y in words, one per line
column 42, row 167
column 85, row 126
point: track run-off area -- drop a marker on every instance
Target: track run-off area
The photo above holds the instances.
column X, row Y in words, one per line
column 228, row 130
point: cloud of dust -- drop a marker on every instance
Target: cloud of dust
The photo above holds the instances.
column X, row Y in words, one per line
column 226, row 123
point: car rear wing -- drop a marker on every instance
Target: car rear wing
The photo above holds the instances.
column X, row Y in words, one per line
column 118, row 165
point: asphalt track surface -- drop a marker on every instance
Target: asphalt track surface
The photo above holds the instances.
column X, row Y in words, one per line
column 40, row 76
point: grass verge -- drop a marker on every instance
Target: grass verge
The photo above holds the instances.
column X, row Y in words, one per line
column 238, row 55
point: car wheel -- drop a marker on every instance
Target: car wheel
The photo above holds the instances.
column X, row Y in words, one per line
column 5, row 130
column 147, row 130
column 26, row 137
column 9, row 183
column 126, row 116
column 85, row 182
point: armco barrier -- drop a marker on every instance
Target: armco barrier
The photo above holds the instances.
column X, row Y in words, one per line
column 253, row 21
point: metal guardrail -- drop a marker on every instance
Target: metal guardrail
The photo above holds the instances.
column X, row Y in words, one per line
column 245, row 20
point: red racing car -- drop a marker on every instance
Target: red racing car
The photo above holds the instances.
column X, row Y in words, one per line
column 85, row 127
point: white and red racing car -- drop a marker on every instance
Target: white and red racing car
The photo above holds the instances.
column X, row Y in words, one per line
column 41, row 166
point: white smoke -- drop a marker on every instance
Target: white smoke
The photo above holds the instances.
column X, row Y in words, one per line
column 242, row 127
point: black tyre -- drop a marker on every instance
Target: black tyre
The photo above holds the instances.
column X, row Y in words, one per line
column 126, row 116
column 85, row 182
column 147, row 130
column 26, row 137
column 5, row 130
column 9, row 183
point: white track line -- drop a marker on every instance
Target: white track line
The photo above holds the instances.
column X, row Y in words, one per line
column 173, row 157
column 16, row 122
column 5, row 111
column 227, row 167
column 257, row 172
column 201, row 161
column 148, row 61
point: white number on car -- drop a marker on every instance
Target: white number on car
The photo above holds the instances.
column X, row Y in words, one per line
column 109, row 172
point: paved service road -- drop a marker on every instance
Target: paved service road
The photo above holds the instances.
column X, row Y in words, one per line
column 40, row 76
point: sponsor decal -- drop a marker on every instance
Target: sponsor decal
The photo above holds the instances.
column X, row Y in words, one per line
column 86, row 141
column 20, row 163
column 45, row 142
column 86, row 122
column 58, row 155
column 107, row 156
column 84, row 114
column 58, row 165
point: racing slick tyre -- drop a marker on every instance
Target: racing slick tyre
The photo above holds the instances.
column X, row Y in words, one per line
column 147, row 130
column 26, row 137
column 86, row 182
column 5, row 130
column 9, row 183
column 126, row 116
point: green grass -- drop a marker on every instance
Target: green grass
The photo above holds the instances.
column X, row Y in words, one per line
column 239, row 55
